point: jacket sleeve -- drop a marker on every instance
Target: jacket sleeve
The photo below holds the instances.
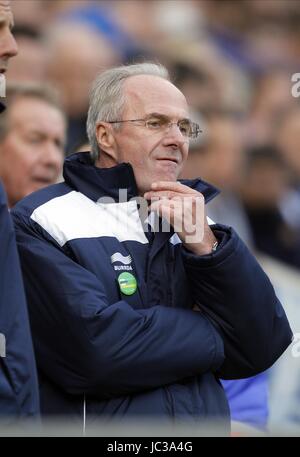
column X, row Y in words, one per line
column 18, row 378
column 85, row 344
column 231, row 289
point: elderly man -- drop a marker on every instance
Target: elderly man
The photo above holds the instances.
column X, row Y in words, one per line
column 128, row 323
column 32, row 138
column 18, row 380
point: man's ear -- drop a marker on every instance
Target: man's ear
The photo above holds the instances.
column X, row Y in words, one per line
column 106, row 141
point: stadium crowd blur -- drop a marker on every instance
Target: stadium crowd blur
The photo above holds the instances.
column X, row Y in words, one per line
column 233, row 61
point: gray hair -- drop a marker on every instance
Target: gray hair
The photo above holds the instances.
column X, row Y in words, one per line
column 107, row 99
column 19, row 90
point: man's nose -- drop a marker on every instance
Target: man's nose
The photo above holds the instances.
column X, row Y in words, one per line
column 9, row 46
column 173, row 135
column 53, row 156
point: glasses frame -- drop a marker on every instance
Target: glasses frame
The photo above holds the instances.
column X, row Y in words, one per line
column 195, row 128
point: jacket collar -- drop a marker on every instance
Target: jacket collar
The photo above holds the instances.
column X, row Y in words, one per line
column 80, row 174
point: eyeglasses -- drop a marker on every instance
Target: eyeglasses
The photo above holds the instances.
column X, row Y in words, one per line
column 160, row 123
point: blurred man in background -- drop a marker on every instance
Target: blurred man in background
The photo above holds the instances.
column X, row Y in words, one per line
column 30, row 63
column 218, row 157
column 32, row 138
column 287, row 139
column 18, row 379
column 76, row 54
column 265, row 185
column 8, row 45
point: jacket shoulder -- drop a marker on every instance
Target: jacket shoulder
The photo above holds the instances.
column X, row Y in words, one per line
column 27, row 205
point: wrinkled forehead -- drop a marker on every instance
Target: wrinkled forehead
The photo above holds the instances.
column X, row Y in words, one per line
column 5, row 6
column 145, row 94
column 6, row 12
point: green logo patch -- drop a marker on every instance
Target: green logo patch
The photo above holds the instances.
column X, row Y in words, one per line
column 127, row 283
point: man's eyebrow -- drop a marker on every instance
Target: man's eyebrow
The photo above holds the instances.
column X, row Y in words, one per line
column 156, row 115
column 36, row 130
column 165, row 116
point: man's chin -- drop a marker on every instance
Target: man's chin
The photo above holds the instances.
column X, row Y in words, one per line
column 145, row 185
column 171, row 177
column 37, row 185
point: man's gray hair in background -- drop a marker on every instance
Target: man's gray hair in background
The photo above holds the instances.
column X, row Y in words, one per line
column 107, row 99
column 19, row 90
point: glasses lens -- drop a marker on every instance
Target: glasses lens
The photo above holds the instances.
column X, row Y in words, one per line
column 185, row 127
column 156, row 123
column 195, row 130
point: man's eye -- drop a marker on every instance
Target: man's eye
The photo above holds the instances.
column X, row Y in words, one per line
column 34, row 140
column 184, row 128
column 155, row 123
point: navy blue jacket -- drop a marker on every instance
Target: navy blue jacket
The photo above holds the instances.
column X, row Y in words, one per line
column 18, row 379
column 148, row 353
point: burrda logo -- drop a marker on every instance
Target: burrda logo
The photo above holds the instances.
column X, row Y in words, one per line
column 125, row 260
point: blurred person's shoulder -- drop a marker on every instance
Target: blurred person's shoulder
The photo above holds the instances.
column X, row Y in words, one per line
column 30, row 203
column 3, row 199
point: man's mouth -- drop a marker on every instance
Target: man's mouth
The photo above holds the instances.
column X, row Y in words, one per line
column 170, row 159
column 42, row 180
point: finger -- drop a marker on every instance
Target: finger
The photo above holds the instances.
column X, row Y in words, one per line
column 164, row 208
column 174, row 216
column 171, row 211
column 168, row 194
column 172, row 186
column 158, row 204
